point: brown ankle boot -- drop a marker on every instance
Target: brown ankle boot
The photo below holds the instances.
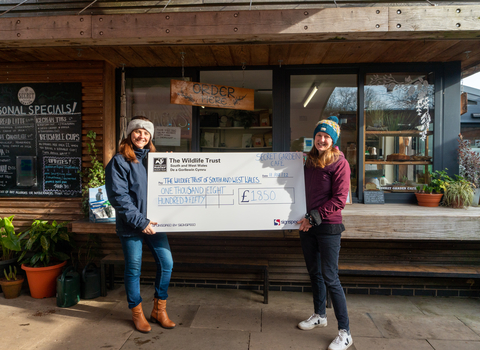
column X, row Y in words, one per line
column 159, row 314
column 141, row 323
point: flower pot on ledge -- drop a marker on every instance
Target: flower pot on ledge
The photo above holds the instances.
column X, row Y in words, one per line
column 429, row 199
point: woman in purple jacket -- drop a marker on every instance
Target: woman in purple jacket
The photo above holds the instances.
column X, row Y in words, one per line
column 327, row 182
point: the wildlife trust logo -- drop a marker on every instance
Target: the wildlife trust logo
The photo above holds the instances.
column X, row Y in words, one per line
column 159, row 164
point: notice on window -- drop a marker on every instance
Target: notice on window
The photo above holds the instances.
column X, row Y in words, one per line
column 225, row 191
column 167, row 136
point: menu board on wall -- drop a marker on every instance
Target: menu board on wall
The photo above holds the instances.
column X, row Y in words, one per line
column 40, row 139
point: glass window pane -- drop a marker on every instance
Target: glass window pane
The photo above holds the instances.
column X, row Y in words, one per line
column 235, row 130
column 399, row 116
column 150, row 97
column 316, row 97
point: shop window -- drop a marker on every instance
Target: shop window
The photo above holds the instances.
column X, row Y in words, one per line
column 150, row 97
column 471, row 132
column 316, row 97
column 236, row 130
column 399, row 117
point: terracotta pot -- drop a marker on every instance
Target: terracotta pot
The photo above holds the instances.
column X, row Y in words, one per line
column 428, row 200
column 11, row 289
column 42, row 281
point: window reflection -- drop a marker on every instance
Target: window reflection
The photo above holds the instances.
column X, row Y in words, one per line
column 316, row 97
column 398, row 131
column 150, row 97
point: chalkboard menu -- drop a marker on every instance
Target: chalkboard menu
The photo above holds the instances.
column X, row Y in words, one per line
column 40, row 139
column 374, row 197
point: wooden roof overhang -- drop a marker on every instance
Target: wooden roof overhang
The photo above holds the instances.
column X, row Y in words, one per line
column 267, row 37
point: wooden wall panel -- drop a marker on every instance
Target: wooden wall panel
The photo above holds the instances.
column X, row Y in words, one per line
column 97, row 91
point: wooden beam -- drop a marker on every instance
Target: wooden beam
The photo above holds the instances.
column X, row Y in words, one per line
column 327, row 24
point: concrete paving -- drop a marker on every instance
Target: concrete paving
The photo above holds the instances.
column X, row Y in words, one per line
column 217, row 319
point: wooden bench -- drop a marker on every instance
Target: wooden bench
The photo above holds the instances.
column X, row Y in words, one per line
column 110, row 261
column 406, row 270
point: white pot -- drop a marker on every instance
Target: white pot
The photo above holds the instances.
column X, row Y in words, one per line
column 476, row 198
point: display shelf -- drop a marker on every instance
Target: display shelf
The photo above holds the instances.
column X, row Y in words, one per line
column 236, row 148
column 396, row 133
column 398, row 162
column 234, row 128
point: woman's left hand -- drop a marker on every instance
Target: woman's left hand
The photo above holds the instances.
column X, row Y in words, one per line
column 304, row 225
column 149, row 229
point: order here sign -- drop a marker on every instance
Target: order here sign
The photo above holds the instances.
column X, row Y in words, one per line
column 225, row 191
column 211, row 95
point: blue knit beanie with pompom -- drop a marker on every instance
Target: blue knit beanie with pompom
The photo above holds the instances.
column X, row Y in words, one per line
column 329, row 126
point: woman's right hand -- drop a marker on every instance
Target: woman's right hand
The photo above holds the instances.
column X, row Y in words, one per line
column 149, row 229
column 304, row 224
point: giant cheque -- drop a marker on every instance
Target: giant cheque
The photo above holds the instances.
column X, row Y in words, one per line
column 225, row 191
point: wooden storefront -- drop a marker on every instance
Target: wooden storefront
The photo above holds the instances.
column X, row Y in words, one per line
column 92, row 48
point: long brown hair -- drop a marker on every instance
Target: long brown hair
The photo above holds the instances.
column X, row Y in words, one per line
column 315, row 159
column 126, row 146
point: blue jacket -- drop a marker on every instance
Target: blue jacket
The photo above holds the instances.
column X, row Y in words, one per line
column 126, row 185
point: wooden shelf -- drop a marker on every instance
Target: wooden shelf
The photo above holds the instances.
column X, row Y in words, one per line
column 395, row 133
column 236, row 148
column 235, row 127
column 398, row 162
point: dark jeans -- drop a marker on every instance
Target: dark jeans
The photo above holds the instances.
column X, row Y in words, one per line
column 321, row 249
column 132, row 250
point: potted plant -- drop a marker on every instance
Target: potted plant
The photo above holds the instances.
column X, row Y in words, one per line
column 469, row 162
column 430, row 195
column 10, row 243
column 94, row 176
column 459, row 193
column 11, row 284
column 44, row 254
column 243, row 118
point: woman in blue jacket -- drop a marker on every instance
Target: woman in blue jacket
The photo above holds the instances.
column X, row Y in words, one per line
column 126, row 185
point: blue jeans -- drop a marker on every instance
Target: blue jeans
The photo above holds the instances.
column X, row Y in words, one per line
column 132, row 250
column 321, row 251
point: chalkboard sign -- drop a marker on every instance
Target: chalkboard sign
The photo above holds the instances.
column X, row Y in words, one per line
column 374, row 197
column 40, row 139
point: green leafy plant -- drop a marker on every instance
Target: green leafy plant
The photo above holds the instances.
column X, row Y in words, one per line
column 93, row 176
column 459, row 193
column 246, row 118
column 12, row 275
column 439, row 181
column 89, row 251
column 47, row 243
column 9, row 239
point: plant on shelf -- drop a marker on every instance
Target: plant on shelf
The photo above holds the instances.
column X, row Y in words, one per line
column 245, row 118
column 469, row 162
column 438, row 183
column 431, row 194
column 93, row 176
column 459, row 193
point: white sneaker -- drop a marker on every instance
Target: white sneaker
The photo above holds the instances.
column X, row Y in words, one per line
column 313, row 321
column 342, row 341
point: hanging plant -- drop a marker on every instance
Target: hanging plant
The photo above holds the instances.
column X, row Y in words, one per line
column 93, row 176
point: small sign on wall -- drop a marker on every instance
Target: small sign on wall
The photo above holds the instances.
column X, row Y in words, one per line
column 211, row 95
column 463, row 103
